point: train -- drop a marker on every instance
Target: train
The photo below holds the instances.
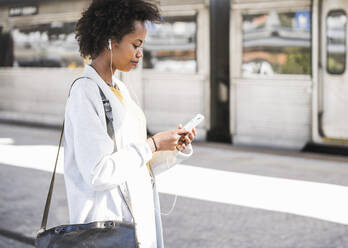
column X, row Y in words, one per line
column 263, row 73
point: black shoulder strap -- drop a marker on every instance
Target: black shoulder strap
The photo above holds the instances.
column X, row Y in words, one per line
column 108, row 116
column 110, row 129
column 49, row 195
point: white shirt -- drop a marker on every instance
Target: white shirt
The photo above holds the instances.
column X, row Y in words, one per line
column 93, row 172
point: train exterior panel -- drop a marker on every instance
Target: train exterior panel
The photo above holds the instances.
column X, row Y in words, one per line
column 171, row 84
column 288, row 85
column 264, row 73
column 35, row 78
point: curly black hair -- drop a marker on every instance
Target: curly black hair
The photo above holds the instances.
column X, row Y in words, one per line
column 105, row 19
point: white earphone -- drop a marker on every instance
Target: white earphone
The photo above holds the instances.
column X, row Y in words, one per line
column 110, row 47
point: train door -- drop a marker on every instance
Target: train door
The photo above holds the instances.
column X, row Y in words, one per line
column 271, row 76
column 333, row 95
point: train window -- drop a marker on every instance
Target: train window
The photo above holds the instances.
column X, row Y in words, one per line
column 45, row 45
column 171, row 46
column 277, row 43
column 336, row 41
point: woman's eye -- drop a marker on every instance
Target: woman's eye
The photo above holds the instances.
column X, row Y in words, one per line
column 135, row 46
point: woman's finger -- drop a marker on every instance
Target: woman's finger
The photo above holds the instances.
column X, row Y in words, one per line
column 182, row 131
column 187, row 138
column 187, row 141
column 179, row 147
column 191, row 136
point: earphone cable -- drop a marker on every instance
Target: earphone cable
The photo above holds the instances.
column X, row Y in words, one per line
column 172, row 208
column 112, row 80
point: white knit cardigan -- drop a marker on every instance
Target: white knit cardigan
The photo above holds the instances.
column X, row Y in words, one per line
column 92, row 172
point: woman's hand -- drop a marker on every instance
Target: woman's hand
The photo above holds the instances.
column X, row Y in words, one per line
column 185, row 139
column 169, row 140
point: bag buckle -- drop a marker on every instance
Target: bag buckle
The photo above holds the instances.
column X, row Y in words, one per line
column 107, row 105
column 58, row 230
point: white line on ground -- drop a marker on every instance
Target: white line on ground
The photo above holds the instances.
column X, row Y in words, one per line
column 319, row 200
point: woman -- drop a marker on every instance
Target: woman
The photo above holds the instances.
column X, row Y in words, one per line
column 111, row 33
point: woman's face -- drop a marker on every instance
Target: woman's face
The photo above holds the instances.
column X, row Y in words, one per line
column 126, row 53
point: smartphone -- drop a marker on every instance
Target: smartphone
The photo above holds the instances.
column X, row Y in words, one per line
column 194, row 122
column 190, row 125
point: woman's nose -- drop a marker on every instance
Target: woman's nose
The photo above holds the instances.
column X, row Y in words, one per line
column 140, row 53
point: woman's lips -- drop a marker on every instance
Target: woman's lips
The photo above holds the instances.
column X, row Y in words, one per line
column 134, row 63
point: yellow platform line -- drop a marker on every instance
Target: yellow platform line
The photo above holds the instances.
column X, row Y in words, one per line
column 335, row 140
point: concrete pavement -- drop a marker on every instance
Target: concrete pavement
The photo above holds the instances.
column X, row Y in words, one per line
column 200, row 218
